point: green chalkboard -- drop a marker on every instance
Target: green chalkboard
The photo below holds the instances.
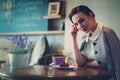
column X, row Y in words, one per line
column 23, row 15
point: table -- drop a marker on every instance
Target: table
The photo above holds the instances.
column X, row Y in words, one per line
column 39, row 72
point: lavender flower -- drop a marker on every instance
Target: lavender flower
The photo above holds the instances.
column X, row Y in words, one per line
column 21, row 44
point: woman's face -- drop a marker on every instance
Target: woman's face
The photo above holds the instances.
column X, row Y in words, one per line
column 82, row 22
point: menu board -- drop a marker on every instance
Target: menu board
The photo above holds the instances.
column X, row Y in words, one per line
column 23, row 15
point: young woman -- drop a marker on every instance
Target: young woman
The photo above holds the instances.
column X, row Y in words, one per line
column 100, row 48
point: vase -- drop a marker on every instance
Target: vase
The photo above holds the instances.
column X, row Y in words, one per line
column 18, row 61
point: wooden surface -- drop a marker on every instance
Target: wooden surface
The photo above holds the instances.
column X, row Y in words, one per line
column 32, row 33
column 46, row 72
column 52, row 17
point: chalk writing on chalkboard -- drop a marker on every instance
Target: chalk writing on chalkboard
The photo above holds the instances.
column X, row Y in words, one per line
column 24, row 15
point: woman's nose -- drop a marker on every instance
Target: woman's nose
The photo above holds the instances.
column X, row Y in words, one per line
column 78, row 27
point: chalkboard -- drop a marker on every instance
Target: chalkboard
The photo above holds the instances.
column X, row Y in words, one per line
column 23, row 15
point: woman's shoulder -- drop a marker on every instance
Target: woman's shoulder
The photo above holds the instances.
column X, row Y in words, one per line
column 108, row 30
column 110, row 33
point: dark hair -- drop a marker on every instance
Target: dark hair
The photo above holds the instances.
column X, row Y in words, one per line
column 80, row 8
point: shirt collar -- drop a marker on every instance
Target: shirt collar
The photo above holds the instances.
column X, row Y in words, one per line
column 95, row 34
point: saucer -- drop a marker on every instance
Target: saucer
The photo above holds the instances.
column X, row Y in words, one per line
column 71, row 67
column 52, row 64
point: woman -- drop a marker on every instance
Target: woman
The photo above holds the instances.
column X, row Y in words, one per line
column 100, row 48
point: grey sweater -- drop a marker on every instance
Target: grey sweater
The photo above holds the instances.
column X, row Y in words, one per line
column 108, row 51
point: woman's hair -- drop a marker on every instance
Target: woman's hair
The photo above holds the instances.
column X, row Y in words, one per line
column 78, row 9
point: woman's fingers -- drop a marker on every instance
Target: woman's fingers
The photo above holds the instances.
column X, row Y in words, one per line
column 74, row 29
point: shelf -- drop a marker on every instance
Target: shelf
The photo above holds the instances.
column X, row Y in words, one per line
column 52, row 17
column 32, row 33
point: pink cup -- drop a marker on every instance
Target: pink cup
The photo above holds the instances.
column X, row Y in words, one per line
column 58, row 60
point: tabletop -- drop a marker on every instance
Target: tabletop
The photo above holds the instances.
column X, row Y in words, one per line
column 50, row 73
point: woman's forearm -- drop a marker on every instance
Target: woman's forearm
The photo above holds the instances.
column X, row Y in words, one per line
column 80, row 59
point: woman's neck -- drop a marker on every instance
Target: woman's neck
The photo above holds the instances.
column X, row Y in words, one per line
column 94, row 26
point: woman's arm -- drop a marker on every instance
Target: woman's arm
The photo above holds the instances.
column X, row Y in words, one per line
column 80, row 59
column 92, row 63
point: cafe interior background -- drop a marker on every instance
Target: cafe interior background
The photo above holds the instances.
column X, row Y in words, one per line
column 59, row 39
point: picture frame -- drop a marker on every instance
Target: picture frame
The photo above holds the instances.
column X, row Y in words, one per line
column 53, row 8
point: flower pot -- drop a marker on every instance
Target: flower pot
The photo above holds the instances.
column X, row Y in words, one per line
column 18, row 61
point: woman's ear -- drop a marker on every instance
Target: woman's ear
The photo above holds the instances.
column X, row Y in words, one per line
column 91, row 15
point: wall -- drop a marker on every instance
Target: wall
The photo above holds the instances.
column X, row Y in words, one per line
column 107, row 12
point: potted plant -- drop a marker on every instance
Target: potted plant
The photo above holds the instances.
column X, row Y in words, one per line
column 19, row 53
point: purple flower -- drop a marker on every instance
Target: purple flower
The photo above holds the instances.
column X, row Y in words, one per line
column 21, row 41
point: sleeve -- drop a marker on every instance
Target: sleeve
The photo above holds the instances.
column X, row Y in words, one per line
column 114, row 47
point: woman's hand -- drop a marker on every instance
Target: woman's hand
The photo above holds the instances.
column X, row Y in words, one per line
column 74, row 31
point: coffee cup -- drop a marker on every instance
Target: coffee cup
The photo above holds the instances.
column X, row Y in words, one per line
column 58, row 60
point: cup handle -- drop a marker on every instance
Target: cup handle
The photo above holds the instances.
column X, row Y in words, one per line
column 68, row 59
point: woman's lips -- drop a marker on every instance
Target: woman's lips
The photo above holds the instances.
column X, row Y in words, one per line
column 83, row 28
